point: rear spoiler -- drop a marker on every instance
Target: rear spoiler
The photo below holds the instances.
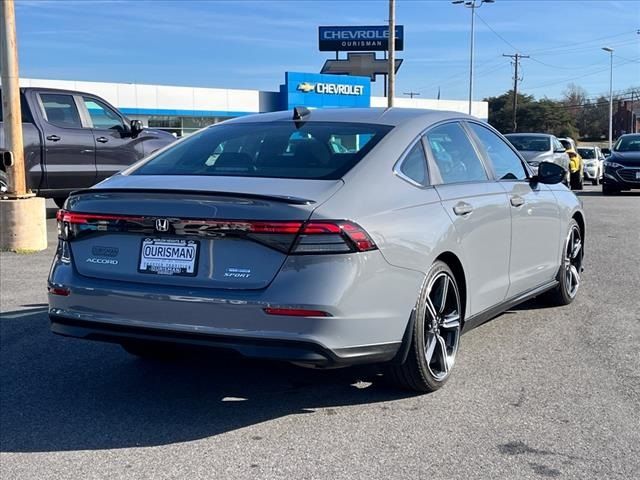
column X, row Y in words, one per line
column 208, row 193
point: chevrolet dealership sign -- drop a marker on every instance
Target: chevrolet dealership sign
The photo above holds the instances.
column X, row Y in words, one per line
column 324, row 91
column 331, row 88
column 358, row 39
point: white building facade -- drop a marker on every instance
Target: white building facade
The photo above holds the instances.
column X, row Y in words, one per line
column 182, row 110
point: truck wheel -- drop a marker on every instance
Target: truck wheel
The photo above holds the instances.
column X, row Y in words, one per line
column 4, row 183
column 59, row 201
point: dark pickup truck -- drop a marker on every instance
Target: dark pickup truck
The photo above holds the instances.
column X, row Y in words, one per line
column 73, row 140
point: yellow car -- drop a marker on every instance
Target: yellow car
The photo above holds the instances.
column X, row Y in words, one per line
column 575, row 163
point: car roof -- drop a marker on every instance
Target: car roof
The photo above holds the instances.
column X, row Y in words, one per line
column 377, row 115
column 56, row 90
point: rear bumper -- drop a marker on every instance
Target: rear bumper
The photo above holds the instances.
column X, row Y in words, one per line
column 369, row 303
column 298, row 351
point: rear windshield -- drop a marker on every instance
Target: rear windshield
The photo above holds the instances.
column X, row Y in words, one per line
column 530, row 143
column 587, row 153
column 315, row 150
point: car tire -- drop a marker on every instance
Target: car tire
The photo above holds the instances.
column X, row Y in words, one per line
column 4, row 183
column 570, row 269
column 59, row 201
column 608, row 190
column 151, row 350
column 435, row 336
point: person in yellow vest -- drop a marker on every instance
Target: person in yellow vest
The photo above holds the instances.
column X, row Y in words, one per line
column 575, row 163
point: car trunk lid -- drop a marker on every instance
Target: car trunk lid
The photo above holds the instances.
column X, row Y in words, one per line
column 210, row 235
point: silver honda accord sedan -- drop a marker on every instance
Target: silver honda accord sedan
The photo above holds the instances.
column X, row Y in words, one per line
column 324, row 238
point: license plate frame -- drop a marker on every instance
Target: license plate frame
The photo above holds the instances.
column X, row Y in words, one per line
column 169, row 265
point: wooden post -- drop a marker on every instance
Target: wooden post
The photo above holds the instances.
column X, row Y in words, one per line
column 12, row 121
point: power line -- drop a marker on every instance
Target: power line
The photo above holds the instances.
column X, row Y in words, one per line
column 578, row 77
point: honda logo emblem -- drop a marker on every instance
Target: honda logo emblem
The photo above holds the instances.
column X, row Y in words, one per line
column 162, row 224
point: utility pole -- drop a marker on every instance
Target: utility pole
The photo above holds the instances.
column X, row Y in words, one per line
column 472, row 4
column 411, row 94
column 610, row 51
column 22, row 216
column 392, row 53
column 12, row 121
column 516, row 62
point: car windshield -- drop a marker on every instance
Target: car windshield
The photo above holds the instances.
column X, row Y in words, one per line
column 311, row 150
column 587, row 153
column 531, row 143
column 628, row 144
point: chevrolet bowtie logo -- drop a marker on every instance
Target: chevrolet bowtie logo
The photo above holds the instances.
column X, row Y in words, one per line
column 306, row 87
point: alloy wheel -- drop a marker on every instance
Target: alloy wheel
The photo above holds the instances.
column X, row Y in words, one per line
column 442, row 325
column 572, row 262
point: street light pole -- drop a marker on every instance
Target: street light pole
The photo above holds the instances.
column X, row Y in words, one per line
column 391, row 82
column 610, row 50
column 472, row 4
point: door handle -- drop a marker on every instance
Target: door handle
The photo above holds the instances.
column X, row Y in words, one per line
column 517, row 201
column 462, row 208
column 102, row 139
column 53, row 138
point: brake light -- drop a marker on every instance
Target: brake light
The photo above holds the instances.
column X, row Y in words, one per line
column 332, row 237
column 294, row 237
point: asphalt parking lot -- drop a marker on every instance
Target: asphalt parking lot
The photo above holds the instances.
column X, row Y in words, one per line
column 536, row 393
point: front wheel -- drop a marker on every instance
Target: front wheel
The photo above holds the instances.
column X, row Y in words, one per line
column 571, row 268
column 436, row 334
column 608, row 190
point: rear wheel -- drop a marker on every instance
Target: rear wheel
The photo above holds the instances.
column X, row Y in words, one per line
column 569, row 275
column 436, row 334
column 59, row 201
column 151, row 350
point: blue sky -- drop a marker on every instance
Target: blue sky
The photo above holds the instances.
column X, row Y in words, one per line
column 249, row 44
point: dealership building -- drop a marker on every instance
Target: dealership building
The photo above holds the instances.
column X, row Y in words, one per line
column 182, row 110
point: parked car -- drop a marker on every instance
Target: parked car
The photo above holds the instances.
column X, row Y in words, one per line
column 73, row 140
column 622, row 167
column 575, row 163
column 540, row 147
column 430, row 225
column 593, row 161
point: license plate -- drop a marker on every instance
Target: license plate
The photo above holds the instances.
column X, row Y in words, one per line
column 161, row 256
column 638, row 175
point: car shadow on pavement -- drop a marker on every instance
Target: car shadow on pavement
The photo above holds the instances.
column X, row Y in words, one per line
column 61, row 394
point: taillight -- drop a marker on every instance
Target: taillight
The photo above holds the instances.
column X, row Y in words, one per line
column 294, row 237
column 332, row 236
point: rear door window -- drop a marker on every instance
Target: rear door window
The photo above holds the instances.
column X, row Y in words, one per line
column 313, row 150
column 454, row 155
column 61, row 110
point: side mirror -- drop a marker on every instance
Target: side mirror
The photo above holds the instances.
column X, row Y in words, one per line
column 136, row 127
column 549, row 173
column 560, row 150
